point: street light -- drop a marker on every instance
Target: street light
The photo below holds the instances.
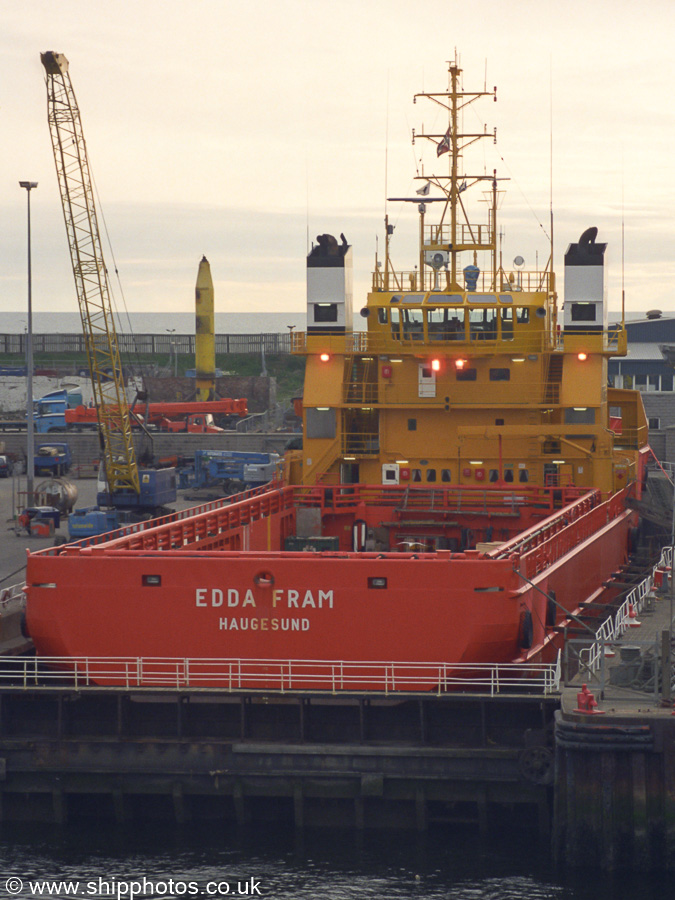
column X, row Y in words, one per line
column 171, row 331
column 30, row 423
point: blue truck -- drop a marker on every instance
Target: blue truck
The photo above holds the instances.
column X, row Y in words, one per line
column 233, row 470
column 52, row 459
column 49, row 413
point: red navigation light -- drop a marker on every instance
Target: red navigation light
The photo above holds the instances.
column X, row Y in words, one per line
column 435, row 365
column 324, row 357
column 582, row 357
column 460, row 363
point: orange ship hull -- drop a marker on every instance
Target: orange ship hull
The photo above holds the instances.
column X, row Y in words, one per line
column 179, row 590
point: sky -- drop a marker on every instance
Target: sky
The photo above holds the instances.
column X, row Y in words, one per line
column 241, row 129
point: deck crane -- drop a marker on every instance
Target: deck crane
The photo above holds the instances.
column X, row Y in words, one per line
column 91, row 282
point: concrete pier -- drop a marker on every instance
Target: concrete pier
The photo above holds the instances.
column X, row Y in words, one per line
column 614, row 799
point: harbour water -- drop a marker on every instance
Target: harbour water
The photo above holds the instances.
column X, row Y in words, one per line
column 153, row 862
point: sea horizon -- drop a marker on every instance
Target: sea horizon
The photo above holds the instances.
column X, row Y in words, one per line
column 15, row 322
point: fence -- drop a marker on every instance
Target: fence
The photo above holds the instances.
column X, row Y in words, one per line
column 149, row 343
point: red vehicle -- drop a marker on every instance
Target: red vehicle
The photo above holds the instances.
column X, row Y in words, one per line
column 192, row 416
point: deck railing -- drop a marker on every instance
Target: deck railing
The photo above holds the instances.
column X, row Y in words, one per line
column 281, row 675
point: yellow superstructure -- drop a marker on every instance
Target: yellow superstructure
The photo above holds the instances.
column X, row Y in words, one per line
column 465, row 376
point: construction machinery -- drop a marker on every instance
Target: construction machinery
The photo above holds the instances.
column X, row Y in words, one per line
column 91, row 282
column 192, row 416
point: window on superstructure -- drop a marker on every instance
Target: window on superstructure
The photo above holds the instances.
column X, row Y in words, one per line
column 483, row 324
column 325, row 312
column 395, row 324
column 465, row 374
column 412, row 424
column 413, row 324
column 507, row 324
column 500, row 374
column 523, row 476
column 446, row 475
column 523, row 315
column 431, row 474
column 583, row 312
column 508, row 474
column 444, row 324
column 382, row 317
column 416, row 474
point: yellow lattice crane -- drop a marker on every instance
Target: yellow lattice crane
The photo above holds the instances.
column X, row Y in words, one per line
column 91, row 277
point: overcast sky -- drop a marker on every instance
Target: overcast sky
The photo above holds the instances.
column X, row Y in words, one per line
column 236, row 129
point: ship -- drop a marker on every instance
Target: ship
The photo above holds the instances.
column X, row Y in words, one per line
column 465, row 488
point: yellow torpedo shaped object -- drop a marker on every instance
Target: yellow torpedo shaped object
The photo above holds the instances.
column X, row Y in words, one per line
column 205, row 343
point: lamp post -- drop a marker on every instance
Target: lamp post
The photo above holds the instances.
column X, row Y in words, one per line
column 30, row 422
column 172, row 345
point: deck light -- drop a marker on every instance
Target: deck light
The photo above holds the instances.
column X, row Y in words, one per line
column 435, row 365
column 460, row 363
column 324, row 357
column 582, row 357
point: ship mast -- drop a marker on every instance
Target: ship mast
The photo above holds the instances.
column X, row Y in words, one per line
column 461, row 234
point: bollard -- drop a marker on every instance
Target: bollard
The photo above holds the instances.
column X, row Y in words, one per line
column 632, row 617
column 587, row 704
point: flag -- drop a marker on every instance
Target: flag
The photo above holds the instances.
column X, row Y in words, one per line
column 444, row 145
column 423, row 191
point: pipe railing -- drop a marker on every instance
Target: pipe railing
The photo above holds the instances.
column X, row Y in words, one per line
column 281, row 675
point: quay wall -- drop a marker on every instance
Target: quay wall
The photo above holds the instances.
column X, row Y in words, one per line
column 614, row 804
column 304, row 760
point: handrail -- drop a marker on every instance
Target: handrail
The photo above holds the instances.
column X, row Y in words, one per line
column 282, row 675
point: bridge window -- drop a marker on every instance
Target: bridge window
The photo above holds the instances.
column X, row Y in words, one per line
column 395, row 324
column 483, row 324
column 445, row 324
column 507, row 324
column 382, row 315
column 523, row 314
column 413, row 324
